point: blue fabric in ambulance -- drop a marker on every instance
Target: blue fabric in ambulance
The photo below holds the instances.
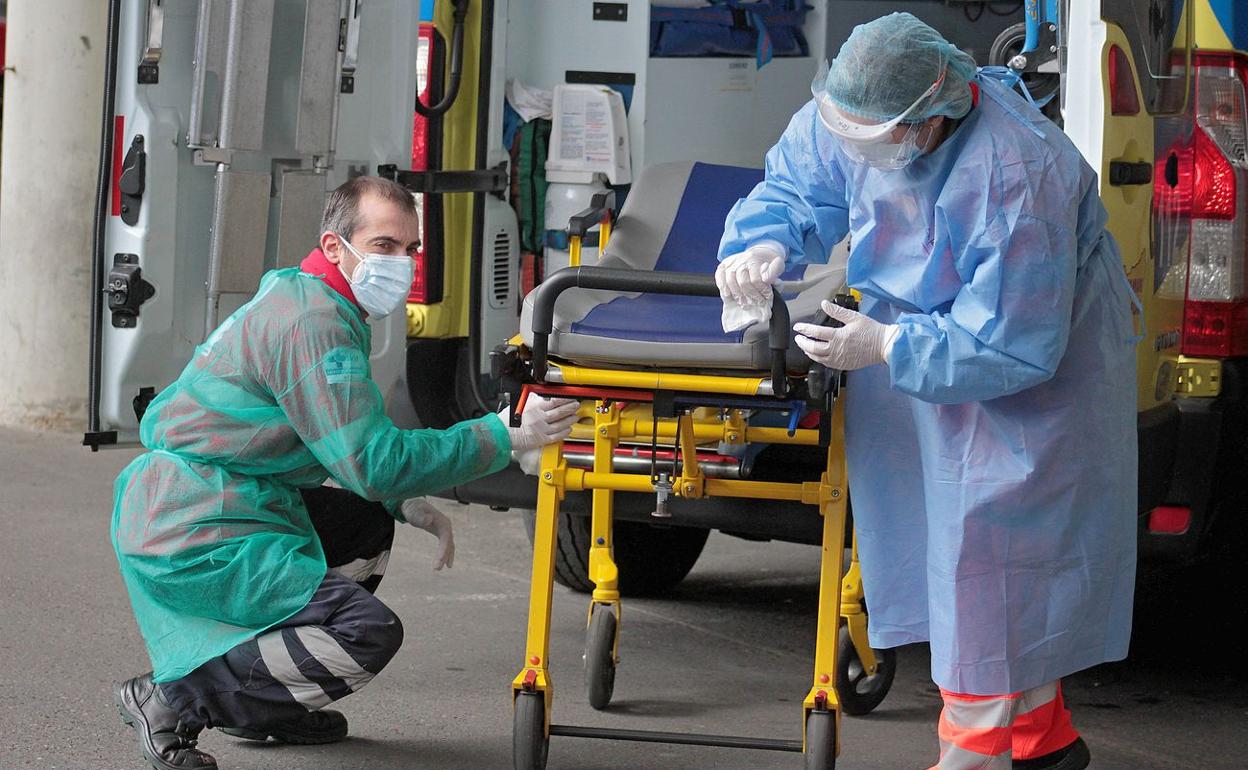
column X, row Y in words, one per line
column 992, row 460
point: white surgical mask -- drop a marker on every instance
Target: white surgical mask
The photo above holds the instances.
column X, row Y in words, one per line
column 380, row 282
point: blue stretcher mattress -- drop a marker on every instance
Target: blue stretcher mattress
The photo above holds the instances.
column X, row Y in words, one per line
column 672, row 221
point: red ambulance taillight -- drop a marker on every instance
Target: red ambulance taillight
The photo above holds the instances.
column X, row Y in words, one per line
column 1215, row 329
column 426, row 156
column 1211, row 192
column 1123, row 100
column 1169, row 520
column 1213, row 180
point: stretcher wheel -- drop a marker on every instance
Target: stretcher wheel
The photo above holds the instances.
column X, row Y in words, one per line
column 600, row 657
column 859, row 693
column 529, row 742
column 820, row 740
column 1041, row 85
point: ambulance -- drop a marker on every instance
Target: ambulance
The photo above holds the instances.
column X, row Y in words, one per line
column 228, row 121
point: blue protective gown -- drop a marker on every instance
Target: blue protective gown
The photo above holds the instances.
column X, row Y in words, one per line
column 992, row 460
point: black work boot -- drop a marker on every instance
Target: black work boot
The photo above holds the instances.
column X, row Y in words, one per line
column 1074, row 757
column 312, row 728
column 165, row 741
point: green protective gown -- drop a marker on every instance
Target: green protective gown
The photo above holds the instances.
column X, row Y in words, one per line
column 212, row 536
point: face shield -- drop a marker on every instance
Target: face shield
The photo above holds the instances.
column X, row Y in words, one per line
column 871, row 143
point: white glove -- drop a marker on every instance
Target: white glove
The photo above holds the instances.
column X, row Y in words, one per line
column 861, row 342
column 530, row 460
column 421, row 514
column 746, row 278
column 543, row 421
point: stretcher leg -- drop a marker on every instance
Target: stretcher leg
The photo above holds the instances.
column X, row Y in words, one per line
column 532, row 689
column 821, row 709
column 603, row 623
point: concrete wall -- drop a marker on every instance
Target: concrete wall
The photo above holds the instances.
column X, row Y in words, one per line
column 50, row 145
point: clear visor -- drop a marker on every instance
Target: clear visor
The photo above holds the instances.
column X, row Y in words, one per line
column 855, row 128
column 885, row 154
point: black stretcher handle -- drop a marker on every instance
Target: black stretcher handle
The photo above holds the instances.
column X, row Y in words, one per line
column 649, row 282
column 600, row 206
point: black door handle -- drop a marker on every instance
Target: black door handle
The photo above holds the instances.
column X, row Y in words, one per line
column 1124, row 172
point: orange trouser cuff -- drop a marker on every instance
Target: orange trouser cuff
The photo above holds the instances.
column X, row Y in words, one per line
column 984, row 731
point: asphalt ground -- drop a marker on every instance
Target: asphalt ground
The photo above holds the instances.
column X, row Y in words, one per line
column 728, row 652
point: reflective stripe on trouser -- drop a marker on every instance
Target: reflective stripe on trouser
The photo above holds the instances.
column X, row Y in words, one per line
column 365, row 570
column 987, row 732
column 331, row 648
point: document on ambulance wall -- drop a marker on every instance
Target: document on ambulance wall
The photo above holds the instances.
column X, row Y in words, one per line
column 585, row 128
column 572, row 127
column 739, row 75
column 598, row 143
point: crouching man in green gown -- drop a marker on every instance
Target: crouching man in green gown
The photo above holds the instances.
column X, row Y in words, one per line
column 250, row 581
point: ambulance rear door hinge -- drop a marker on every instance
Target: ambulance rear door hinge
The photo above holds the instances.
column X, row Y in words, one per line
column 490, row 180
column 142, row 398
column 149, row 66
column 133, row 180
column 349, row 47
column 99, row 438
column 126, row 290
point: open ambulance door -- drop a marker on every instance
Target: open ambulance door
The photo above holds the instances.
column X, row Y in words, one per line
column 226, row 123
column 1127, row 91
column 466, row 294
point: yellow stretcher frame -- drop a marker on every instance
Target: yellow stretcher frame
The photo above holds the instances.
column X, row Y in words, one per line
column 611, row 428
column 837, row 596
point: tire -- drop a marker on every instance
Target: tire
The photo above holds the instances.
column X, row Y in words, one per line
column 858, row 693
column 652, row 560
column 1040, row 85
column 820, row 751
column 529, row 742
column 600, row 657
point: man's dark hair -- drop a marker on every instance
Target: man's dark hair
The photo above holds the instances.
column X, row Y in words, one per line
column 342, row 210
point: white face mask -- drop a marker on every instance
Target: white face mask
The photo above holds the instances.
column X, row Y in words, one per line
column 380, row 282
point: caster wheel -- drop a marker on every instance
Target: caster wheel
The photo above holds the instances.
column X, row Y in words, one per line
column 859, row 693
column 820, row 740
column 600, row 657
column 529, row 742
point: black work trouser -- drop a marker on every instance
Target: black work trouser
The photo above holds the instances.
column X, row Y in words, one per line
column 329, row 649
